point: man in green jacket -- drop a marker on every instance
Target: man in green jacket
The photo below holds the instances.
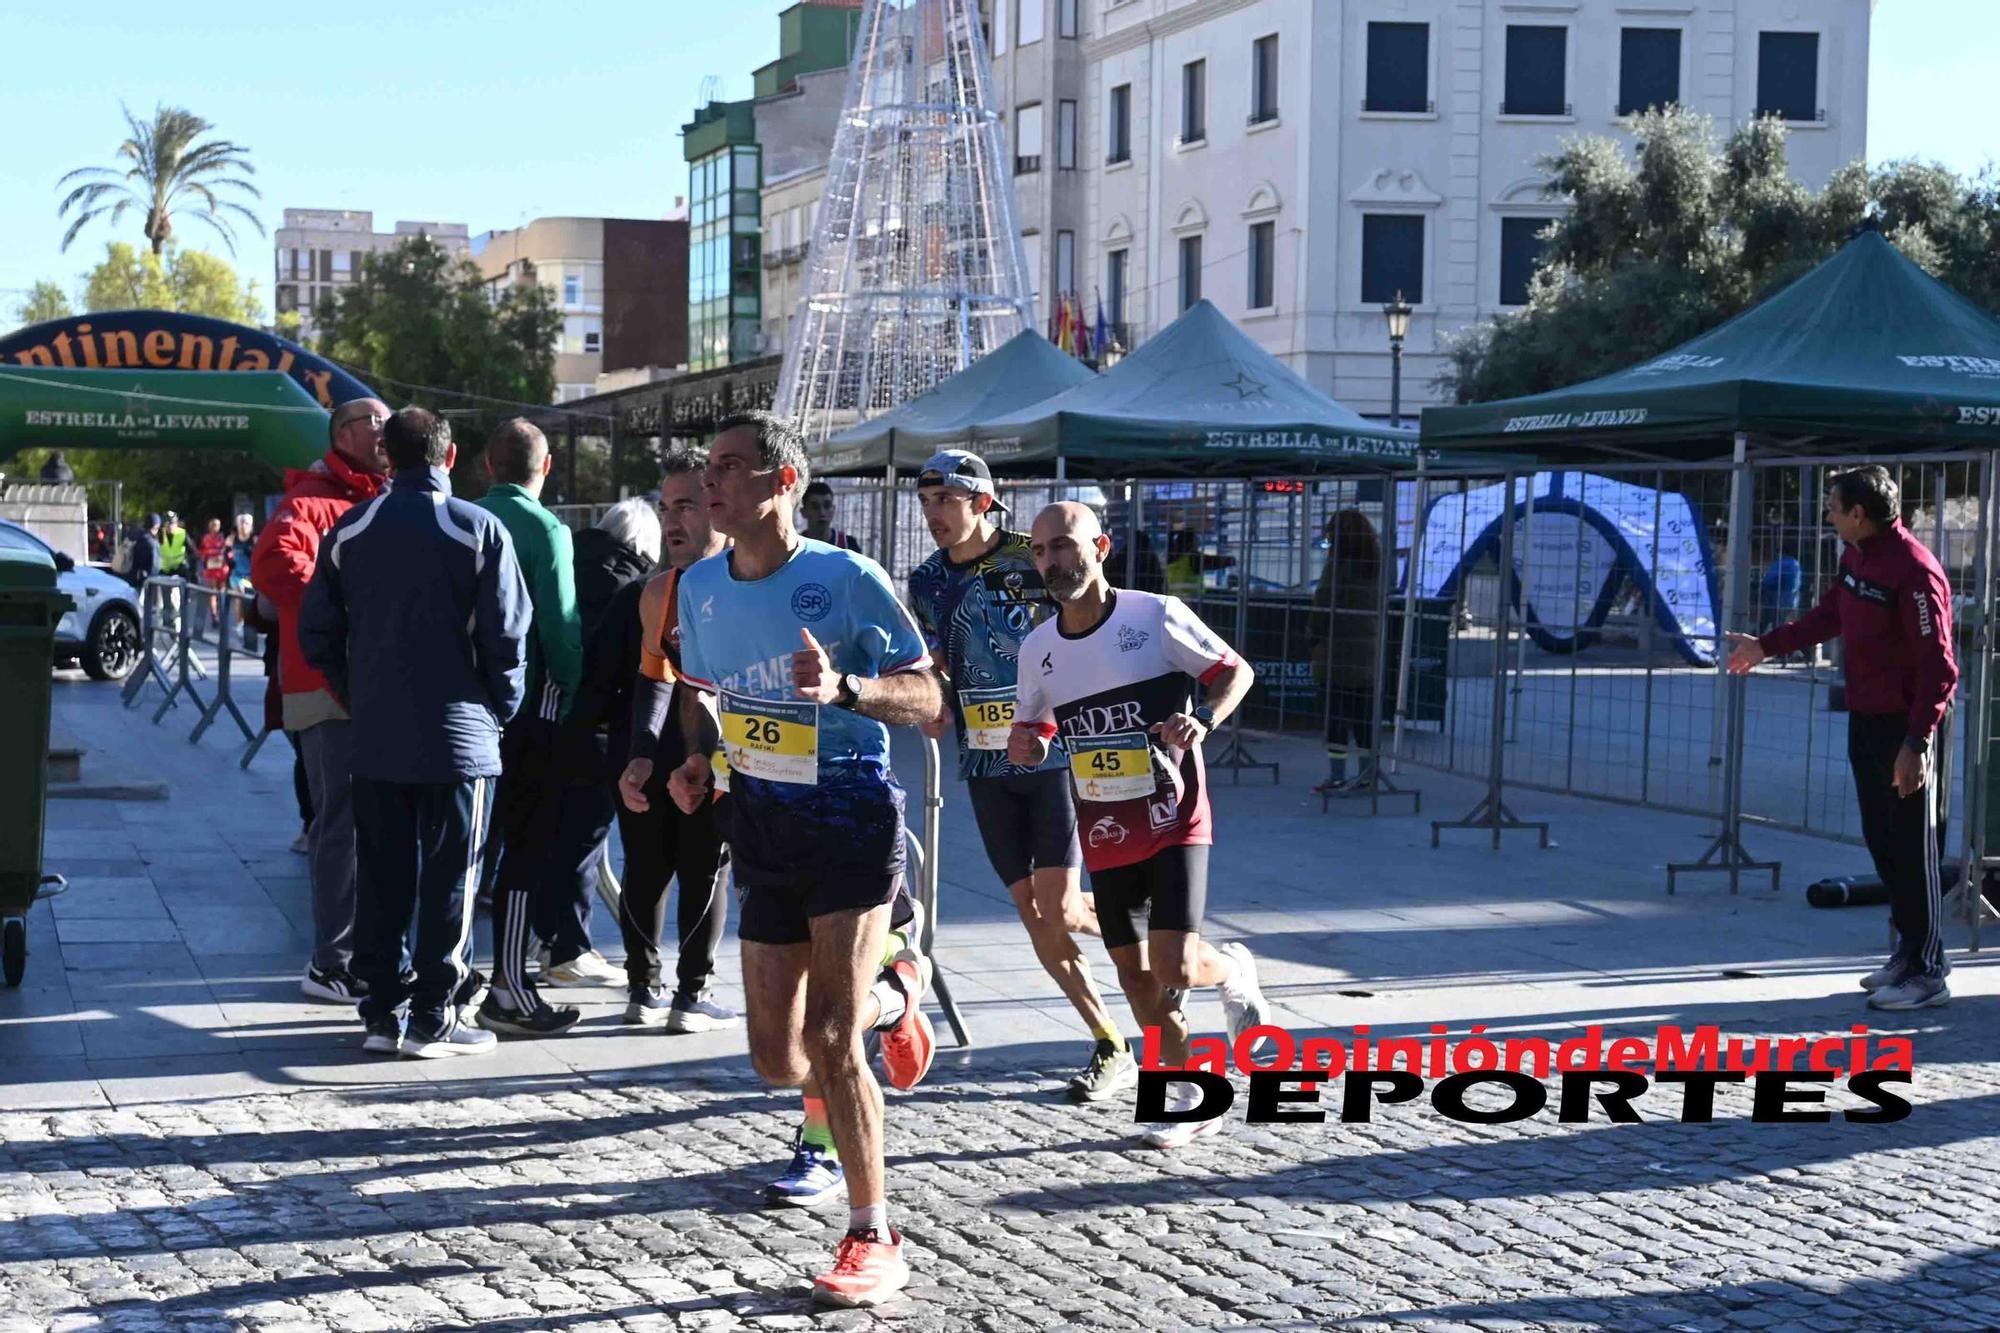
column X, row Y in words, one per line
column 521, row 846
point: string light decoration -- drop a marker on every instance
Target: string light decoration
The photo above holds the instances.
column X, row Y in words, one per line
column 915, row 268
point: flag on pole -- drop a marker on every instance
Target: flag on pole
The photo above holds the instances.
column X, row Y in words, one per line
column 1084, row 346
column 1103, row 331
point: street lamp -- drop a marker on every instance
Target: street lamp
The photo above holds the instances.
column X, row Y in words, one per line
column 1397, row 312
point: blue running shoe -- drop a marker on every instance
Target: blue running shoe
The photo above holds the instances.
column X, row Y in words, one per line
column 813, row 1178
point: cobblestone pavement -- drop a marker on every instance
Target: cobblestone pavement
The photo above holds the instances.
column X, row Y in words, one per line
column 185, row 1144
column 634, row 1205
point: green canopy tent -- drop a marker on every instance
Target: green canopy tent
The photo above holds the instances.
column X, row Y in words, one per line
column 262, row 412
column 1864, row 355
column 1024, row 370
column 1200, row 397
column 1865, row 350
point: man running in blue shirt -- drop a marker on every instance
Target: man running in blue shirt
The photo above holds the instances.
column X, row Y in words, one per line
column 808, row 655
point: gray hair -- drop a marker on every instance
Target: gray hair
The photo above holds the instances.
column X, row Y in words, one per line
column 634, row 523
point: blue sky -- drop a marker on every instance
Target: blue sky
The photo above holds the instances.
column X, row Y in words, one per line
column 494, row 113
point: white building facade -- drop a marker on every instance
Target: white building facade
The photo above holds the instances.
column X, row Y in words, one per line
column 1299, row 162
column 318, row 251
column 1037, row 49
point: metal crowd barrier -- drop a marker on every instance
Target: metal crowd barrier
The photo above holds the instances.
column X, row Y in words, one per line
column 167, row 609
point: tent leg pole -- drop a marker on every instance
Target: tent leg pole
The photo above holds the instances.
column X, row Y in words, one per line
column 1492, row 813
column 1237, row 756
column 1725, row 852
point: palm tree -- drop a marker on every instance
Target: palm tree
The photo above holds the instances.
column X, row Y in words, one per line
column 165, row 172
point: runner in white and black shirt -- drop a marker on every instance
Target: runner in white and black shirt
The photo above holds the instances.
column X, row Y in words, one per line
column 1115, row 674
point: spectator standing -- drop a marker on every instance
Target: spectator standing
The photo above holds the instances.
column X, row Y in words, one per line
column 282, row 564
column 1891, row 610
column 1345, row 645
column 145, row 559
column 242, row 542
column 417, row 618
column 212, row 565
column 527, row 807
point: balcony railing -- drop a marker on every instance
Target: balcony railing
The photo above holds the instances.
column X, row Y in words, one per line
column 1535, row 109
column 1398, row 106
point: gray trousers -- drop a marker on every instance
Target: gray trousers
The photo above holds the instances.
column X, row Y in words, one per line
column 328, row 751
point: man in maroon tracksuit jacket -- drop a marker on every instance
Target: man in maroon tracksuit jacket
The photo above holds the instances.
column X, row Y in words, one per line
column 1891, row 607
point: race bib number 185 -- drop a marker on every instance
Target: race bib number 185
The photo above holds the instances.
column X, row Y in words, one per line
column 989, row 716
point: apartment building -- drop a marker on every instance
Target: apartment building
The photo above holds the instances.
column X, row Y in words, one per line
column 1300, row 162
column 318, row 251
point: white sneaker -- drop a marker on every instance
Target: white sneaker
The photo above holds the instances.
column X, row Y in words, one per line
column 303, row 843
column 456, row 1039
column 700, row 1014
column 1243, row 1004
column 589, row 968
column 1173, row 1134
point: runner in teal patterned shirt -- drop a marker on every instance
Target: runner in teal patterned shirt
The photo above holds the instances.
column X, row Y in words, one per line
column 977, row 597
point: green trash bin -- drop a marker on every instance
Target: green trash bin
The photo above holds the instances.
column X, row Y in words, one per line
column 30, row 608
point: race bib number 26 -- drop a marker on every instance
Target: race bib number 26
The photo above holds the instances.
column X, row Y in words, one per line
column 773, row 740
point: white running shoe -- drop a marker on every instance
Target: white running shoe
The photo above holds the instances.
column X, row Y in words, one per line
column 1173, row 1134
column 700, row 1014
column 589, row 968
column 1243, row 1004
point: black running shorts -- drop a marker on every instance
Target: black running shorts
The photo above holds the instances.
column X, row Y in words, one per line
column 1027, row 821
column 1170, row 887
column 842, row 851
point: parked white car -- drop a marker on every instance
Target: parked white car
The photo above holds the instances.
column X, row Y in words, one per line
column 102, row 633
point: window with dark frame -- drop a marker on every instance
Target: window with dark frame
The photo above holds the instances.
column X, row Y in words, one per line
column 1263, row 265
column 1521, row 247
column 1190, row 271
column 1537, row 70
column 1065, row 261
column 1264, row 79
column 1399, row 67
column 1066, row 136
column 1649, row 69
column 1114, row 285
column 1066, row 18
column 1194, row 101
column 1788, row 75
column 1028, row 139
column 1118, row 134
column 1392, row 257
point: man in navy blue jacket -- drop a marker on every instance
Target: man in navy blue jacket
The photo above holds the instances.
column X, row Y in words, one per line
column 418, row 617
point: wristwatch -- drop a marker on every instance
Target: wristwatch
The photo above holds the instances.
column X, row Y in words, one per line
column 850, row 690
column 1206, row 716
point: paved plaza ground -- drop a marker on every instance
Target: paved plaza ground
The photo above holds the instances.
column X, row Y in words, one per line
column 186, row 1144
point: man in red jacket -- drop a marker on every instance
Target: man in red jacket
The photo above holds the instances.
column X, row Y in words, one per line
column 1891, row 608
column 353, row 472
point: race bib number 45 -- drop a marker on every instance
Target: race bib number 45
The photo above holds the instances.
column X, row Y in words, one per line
column 1112, row 768
column 989, row 716
column 772, row 740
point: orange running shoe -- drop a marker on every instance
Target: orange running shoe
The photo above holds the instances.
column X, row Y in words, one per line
column 865, row 1271
column 908, row 1047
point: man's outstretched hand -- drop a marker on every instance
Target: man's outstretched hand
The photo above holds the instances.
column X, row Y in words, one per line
column 1744, row 653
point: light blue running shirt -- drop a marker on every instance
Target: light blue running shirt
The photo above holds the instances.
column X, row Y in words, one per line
column 738, row 637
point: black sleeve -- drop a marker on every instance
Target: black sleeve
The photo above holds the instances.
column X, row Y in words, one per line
column 652, row 702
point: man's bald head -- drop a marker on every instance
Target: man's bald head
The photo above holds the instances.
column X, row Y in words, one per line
column 1069, row 547
column 1067, row 516
column 518, row 454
